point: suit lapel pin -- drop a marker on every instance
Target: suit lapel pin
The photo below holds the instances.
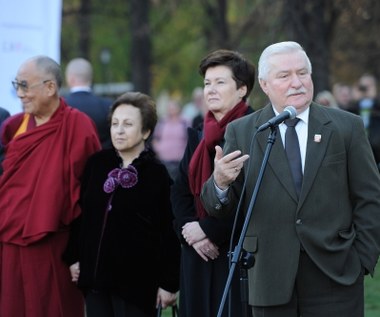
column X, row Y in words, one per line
column 317, row 138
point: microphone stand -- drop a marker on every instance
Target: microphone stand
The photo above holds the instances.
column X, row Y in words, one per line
column 239, row 254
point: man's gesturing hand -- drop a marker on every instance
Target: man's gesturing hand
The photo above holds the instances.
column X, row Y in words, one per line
column 228, row 167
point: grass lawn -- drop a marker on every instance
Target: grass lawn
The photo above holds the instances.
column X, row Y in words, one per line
column 372, row 296
column 167, row 312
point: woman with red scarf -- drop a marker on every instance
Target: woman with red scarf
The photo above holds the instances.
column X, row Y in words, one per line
column 228, row 81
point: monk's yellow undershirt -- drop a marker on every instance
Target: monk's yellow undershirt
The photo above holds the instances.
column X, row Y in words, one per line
column 23, row 126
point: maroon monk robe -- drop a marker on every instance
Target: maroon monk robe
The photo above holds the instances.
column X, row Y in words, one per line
column 39, row 192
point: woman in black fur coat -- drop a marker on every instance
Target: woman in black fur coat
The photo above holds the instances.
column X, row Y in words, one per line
column 123, row 251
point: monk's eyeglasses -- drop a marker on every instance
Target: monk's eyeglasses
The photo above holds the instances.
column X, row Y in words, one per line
column 24, row 86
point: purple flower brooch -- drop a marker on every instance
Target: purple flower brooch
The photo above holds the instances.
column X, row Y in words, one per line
column 126, row 177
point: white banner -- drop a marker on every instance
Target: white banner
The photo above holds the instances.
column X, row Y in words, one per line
column 27, row 28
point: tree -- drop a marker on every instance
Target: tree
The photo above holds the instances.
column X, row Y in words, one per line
column 84, row 27
column 312, row 23
column 158, row 44
column 140, row 45
column 216, row 11
column 356, row 50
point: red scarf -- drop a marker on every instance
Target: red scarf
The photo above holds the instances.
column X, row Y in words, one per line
column 200, row 167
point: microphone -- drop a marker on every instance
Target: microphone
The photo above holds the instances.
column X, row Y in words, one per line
column 289, row 113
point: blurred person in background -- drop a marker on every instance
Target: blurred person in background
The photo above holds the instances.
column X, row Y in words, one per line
column 79, row 79
column 4, row 114
column 326, row 98
column 367, row 99
column 123, row 251
column 343, row 96
column 228, row 81
column 170, row 137
column 368, row 107
column 193, row 110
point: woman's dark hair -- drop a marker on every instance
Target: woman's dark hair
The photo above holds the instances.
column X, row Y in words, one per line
column 144, row 103
column 243, row 71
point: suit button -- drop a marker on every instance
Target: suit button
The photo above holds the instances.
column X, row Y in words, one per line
column 298, row 222
column 218, row 206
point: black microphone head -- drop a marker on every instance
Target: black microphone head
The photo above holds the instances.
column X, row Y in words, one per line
column 292, row 111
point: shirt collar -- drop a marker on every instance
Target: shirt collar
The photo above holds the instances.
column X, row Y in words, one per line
column 80, row 88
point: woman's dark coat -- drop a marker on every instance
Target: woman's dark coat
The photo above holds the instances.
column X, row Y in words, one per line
column 202, row 283
column 139, row 250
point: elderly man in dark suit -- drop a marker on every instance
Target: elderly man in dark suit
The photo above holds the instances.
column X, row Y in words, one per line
column 314, row 234
column 79, row 79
